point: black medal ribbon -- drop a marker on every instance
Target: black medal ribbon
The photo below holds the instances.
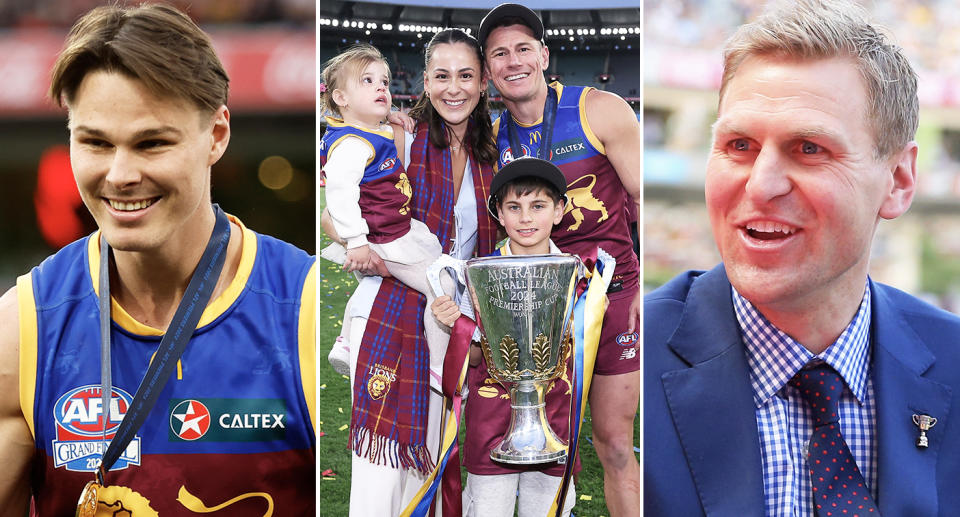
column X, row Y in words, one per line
column 546, row 129
column 172, row 344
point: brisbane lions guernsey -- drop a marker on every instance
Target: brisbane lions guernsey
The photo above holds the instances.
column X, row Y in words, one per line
column 233, row 427
column 596, row 214
column 385, row 191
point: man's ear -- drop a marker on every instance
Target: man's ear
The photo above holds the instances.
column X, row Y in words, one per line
column 220, row 133
column 903, row 167
column 545, row 58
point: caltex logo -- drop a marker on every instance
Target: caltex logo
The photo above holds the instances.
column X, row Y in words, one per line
column 190, row 420
column 217, row 419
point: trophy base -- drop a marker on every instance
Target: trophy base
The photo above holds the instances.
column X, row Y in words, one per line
column 516, row 457
column 529, row 438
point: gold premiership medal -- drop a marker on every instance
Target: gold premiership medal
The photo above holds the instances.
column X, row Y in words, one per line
column 87, row 506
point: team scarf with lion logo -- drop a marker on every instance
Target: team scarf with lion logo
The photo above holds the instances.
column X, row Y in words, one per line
column 392, row 383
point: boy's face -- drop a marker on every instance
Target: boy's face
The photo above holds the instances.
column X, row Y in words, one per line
column 142, row 163
column 529, row 219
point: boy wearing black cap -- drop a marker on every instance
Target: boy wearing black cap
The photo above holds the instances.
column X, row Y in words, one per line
column 594, row 138
column 528, row 199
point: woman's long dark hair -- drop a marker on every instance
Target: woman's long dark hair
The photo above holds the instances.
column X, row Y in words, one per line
column 479, row 128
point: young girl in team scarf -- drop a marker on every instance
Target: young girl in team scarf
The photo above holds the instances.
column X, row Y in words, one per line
column 368, row 192
column 449, row 155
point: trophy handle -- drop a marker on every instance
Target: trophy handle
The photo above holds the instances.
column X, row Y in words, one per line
column 443, row 262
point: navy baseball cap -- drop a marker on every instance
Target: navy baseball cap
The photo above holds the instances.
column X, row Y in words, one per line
column 524, row 167
column 509, row 11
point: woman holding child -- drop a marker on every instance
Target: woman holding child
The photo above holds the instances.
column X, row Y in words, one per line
column 397, row 401
column 395, row 422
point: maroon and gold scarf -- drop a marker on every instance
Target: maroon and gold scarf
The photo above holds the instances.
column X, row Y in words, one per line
column 392, row 382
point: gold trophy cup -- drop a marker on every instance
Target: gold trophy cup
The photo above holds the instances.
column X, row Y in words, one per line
column 523, row 305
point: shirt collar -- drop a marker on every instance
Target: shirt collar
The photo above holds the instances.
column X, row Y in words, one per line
column 774, row 357
column 505, row 249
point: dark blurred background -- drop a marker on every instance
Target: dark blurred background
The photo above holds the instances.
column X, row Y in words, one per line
column 267, row 176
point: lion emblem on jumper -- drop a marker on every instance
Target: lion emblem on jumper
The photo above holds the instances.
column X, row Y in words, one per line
column 120, row 501
column 403, row 185
column 581, row 198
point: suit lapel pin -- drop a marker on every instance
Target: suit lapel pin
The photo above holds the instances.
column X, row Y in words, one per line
column 925, row 423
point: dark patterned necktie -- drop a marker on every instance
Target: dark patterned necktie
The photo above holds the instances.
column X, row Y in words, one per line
column 838, row 485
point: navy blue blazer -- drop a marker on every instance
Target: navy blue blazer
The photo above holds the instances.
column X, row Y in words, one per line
column 701, row 444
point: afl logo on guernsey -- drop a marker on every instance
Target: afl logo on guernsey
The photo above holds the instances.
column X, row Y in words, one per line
column 79, row 416
column 190, row 420
column 626, row 339
column 506, row 156
column 388, row 164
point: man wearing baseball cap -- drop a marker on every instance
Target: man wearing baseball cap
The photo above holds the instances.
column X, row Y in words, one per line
column 595, row 139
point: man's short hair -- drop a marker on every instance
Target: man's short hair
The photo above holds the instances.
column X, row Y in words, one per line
column 155, row 44
column 824, row 29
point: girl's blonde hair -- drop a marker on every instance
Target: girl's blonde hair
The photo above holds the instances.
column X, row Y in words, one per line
column 345, row 67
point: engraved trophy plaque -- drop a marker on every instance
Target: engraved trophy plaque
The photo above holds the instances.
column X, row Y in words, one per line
column 523, row 305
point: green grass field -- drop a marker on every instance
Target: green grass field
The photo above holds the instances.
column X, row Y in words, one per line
column 333, row 410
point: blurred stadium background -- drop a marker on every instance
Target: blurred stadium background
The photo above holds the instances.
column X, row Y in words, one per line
column 267, row 175
column 919, row 252
column 597, row 47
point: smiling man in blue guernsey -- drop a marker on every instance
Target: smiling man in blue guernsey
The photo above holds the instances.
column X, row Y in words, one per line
column 164, row 364
column 785, row 381
column 594, row 138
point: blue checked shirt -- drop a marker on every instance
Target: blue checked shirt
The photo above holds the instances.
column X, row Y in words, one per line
column 783, row 417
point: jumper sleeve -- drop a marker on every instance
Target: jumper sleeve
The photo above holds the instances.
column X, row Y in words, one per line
column 346, row 162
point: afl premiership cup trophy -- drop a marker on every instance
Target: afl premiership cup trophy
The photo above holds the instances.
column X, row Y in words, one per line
column 523, row 305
